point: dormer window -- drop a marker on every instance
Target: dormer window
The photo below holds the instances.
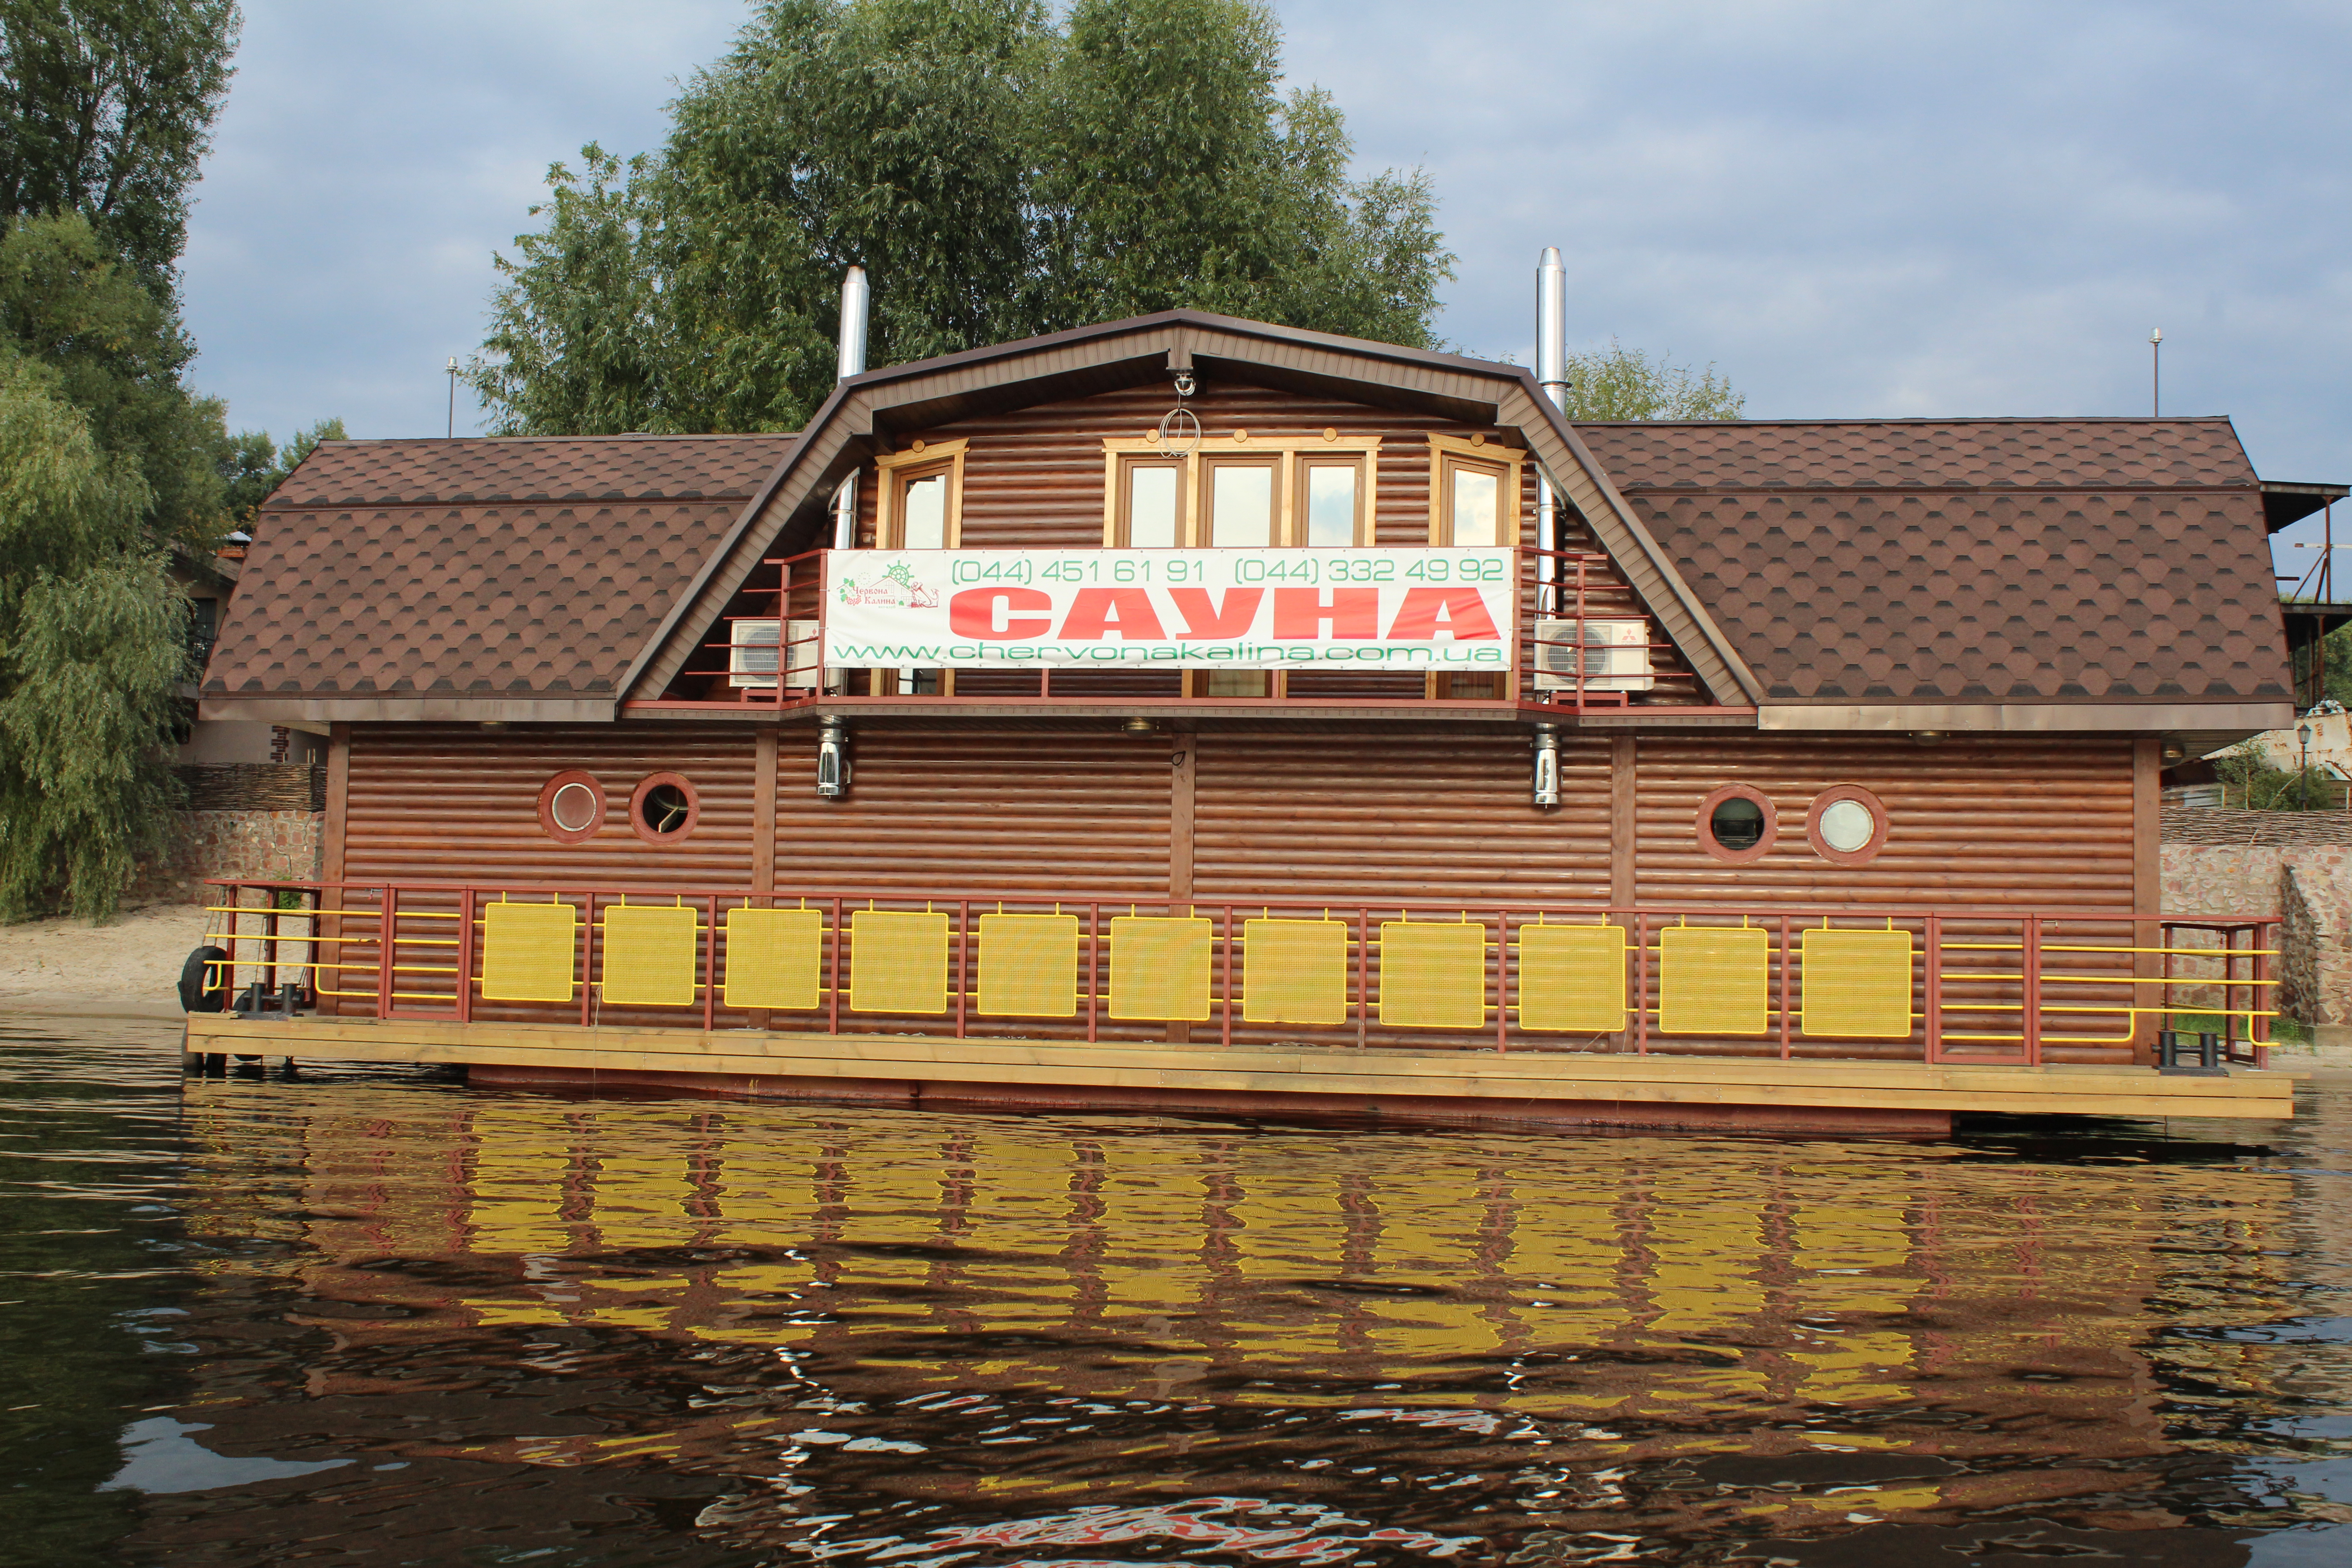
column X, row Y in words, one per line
column 921, row 503
column 1473, row 492
column 1241, row 489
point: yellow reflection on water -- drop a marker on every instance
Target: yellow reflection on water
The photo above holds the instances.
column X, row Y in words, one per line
column 1654, row 1296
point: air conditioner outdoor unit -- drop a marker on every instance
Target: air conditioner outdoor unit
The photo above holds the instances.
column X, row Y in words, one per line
column 1614, row 656
column 751, row 654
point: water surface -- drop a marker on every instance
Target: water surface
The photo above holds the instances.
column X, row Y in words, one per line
column 371, row 1317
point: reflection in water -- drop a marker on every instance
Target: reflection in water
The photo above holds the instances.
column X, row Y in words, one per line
column 508, row 1328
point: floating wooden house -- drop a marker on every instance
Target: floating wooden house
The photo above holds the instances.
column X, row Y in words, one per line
column 1192, row 714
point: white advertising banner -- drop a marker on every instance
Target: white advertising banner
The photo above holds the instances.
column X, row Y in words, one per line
column 1175, row 609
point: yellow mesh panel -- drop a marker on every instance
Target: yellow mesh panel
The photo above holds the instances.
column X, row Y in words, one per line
column 775, row 958
column 1433, row 976
column 1294, row 972
column 1857, row 983
column 529, row 951
column 1029, row 966
column 1159, row 967
column 897, row 962
column 1571, row 979
column 1712, row 981
column 649, row 956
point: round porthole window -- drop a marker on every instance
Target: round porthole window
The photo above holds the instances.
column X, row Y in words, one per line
column 1847, row 825
column 572, row 806
column 664, row 808
column 1736, row 824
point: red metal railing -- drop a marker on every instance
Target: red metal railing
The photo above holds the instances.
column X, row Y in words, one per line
column 1574, row 588
column 1987, row 986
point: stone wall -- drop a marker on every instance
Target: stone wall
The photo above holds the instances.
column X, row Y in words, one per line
column 274, row 845
column 2293, row 865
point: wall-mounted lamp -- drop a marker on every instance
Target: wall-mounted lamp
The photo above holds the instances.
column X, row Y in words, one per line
column 1547, row 744
column 2173, row 752
column 833, row 759
column 1928, row 737
column 493, row 724
column 1139, row 725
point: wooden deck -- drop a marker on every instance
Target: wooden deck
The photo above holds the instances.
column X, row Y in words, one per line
column 1531, row 1088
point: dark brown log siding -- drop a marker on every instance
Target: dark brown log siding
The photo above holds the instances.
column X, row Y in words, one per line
column 2022, row 824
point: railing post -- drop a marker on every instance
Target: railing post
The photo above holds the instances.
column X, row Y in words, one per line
column 2029, row 950
column 833, row 991
column 1229, row 978
column 1363, row 976
column 964, row 960
column 1094, row 968
column 466, row 956
column 386, row 934
column 587, row 954
column 710, row 964
column 1784, row 988
column 1502, row 979
column 1931, row 989
column 2259, row 1030
column 1640, row 983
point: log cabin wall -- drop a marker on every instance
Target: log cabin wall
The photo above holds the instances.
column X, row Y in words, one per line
column 2028, row 824
column 1367, row 818
column 435, row 803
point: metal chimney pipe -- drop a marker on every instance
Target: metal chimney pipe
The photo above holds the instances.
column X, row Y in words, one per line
column 853, row 321
column 854, row 299
column 1551, row 375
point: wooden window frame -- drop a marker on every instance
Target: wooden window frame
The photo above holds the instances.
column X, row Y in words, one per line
column 894, row 471
column 1291, row 453
column 1274, row 466
column 1303, row 466
column 1448, row 455
column 1116, row 510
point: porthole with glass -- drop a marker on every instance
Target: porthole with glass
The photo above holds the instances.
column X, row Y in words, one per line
column 572, row 806
column 1847, row 825
column 664, row 808
column 1736, row 824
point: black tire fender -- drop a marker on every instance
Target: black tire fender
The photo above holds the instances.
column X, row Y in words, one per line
column 196, row 995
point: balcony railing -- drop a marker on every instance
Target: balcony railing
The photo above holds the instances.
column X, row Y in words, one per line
column 1579, row 643
column 1946, row 986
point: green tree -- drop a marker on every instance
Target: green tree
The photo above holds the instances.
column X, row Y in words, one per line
column 92, row 653
column 1619, row 382
column 251, row 465
column 118, row 355
column 999, row 175
column 106, row 106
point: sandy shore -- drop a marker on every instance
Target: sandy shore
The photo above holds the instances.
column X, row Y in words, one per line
column 131, row 968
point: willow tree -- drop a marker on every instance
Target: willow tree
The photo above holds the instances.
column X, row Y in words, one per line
column 108, row 459
column 91, row 652
column 998, row 170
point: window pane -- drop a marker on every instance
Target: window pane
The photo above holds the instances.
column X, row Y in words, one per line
column 1332, row 506
column 1240, row 506
column 1477, row 493
column 1150, row 506
column 926, row 525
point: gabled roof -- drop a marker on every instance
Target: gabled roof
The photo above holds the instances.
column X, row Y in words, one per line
column 473, row 579
column 1959, row 561
column 931, row 393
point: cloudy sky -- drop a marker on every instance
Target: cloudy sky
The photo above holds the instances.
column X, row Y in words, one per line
column 1851, row 207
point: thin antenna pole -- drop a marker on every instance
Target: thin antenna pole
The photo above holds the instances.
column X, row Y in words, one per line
column 453, row 396
column 2156, row 373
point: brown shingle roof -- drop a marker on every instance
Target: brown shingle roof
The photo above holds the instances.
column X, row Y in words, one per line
column 552, row 468
column 1912, row 454
column 1969, row 560
column 479, row 568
